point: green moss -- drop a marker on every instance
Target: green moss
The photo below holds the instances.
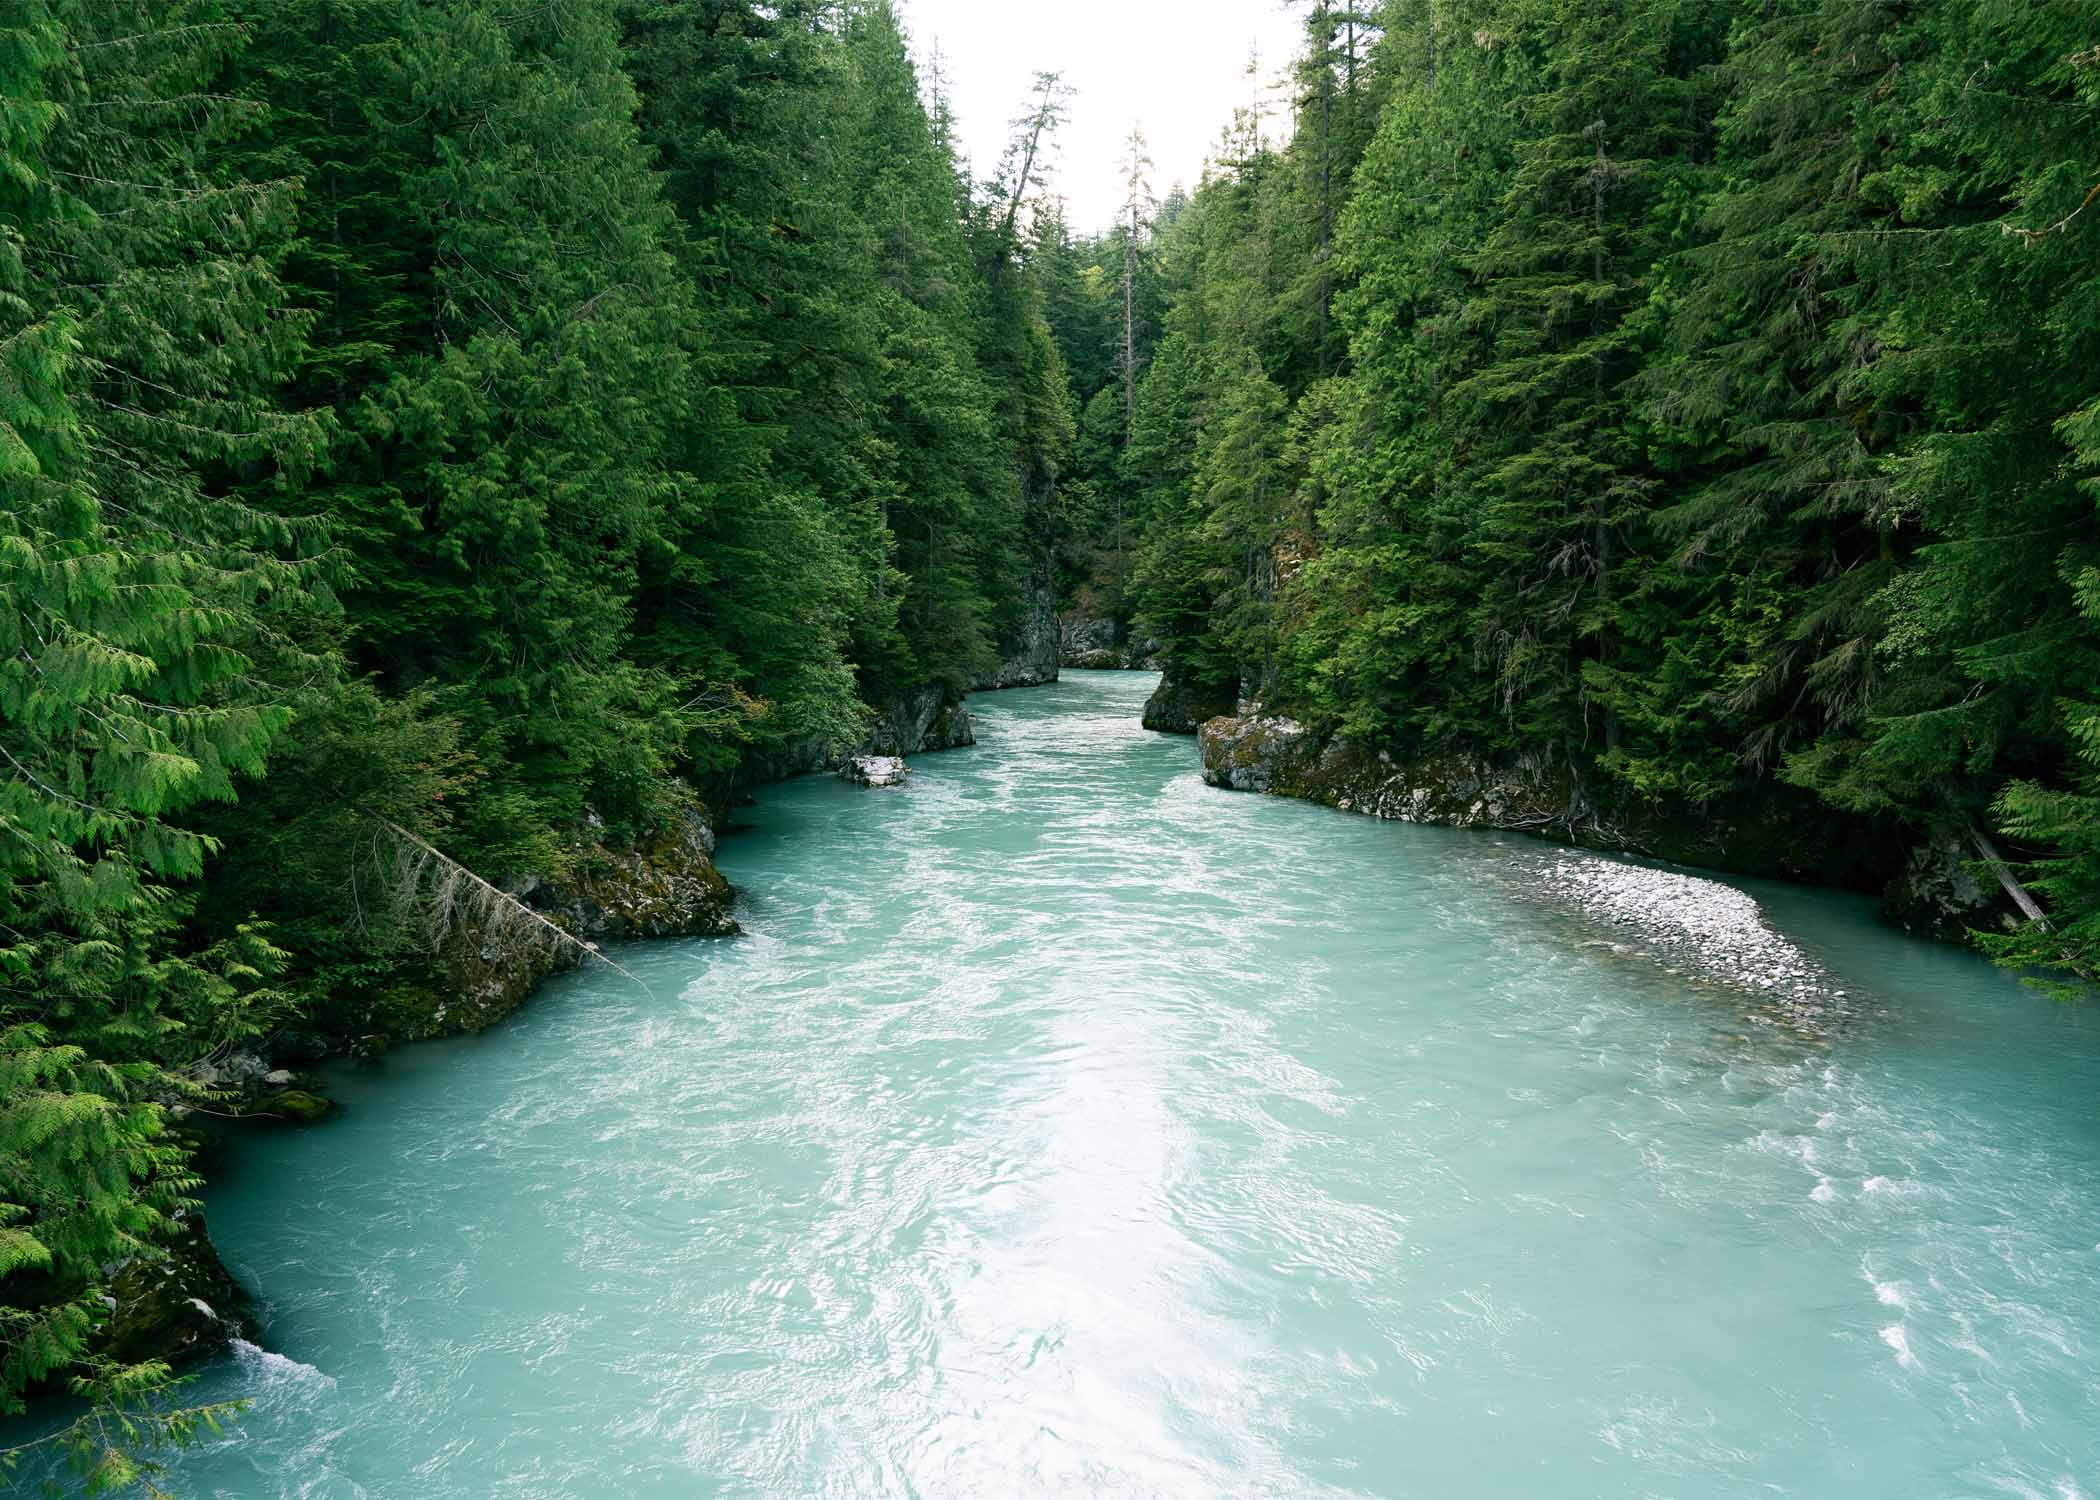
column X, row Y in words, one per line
column 294, row 1106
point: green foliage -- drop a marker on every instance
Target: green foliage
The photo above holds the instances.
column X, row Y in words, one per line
column 130, row 1417
column 144, row 336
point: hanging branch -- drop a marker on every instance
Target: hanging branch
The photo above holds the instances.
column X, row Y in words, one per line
column 2003, row 871
column 442, row 895
column 2036, row 236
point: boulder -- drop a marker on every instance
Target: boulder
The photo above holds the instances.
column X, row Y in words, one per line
column 181, row 1307
column 1096, row 661
column 293, row 1106
column 875, row 770
column 1179, row 706
column 1257, row 753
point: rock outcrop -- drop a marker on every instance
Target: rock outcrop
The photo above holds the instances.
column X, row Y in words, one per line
column 920, row 723
column 1097, row 645
column 181, row 1307
column 1029, row 657
column 1079, row 634
column 663, row 885
column 1179, row 706
column 1776, row 832
column 923, row 721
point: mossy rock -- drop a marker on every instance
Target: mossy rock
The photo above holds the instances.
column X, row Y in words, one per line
column 179, row 1307
column 294, row 1107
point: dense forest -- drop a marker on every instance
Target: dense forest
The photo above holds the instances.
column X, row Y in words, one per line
column 1701, row 397
column 443, row 427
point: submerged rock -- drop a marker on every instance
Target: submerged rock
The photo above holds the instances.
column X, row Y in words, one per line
column 180, row 1307
column 875, row 770
column 294, row 1106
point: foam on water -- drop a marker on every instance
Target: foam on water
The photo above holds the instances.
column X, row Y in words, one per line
column 1066, row 1128
column 266, row 1369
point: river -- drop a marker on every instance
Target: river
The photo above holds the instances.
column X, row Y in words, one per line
column 1063, row 1127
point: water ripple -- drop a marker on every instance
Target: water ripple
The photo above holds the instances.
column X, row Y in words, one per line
column 1065, row 1128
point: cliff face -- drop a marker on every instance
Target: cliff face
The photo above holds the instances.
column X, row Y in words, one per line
column 1030, row 657
column 1092, row 644
column 1777, row 833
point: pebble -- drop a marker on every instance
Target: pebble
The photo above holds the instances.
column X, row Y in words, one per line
column 1700, row 928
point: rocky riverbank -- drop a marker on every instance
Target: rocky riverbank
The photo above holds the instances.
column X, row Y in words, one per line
column 1092, row 644
column 182, row 1306
column 1927, row 885
column 664, row 884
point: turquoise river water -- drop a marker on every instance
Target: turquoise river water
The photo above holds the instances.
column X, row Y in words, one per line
column 1063, row 1127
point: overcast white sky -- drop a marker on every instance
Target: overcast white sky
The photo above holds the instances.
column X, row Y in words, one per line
column 1175, row 67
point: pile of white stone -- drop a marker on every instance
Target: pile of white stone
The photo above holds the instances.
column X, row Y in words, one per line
column 1700, row 928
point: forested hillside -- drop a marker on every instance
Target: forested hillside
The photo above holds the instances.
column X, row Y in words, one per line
column 447, row 446
column 1699, row 399
column 458, row 430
